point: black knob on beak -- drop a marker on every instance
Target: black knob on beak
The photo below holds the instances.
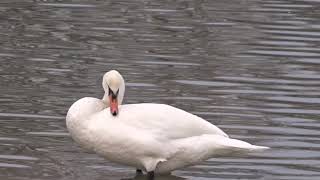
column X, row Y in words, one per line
column 114, row 113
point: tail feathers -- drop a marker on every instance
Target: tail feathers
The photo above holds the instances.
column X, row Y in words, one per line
column 258, row 148
column 238, row 145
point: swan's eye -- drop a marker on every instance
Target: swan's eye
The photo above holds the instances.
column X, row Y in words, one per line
column 110, row 91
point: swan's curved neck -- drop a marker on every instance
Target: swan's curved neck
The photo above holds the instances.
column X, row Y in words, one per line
column 105, row 99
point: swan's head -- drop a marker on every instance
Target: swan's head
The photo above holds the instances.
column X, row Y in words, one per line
column 113, row 85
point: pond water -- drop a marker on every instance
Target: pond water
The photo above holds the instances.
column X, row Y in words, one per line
column 250, row 67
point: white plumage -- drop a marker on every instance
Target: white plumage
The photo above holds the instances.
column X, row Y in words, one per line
column 152, row 137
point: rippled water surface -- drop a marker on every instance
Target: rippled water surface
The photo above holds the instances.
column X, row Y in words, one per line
column 250, row 67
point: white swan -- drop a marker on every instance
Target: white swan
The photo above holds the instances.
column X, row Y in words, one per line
column 153, row 137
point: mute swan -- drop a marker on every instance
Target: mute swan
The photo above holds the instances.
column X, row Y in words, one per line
column 156, row 138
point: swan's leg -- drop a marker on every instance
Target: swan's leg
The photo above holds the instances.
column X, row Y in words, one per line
column 139, row 171
column 151, row 175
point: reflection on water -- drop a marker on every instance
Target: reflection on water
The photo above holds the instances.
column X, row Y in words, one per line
column 250, row 67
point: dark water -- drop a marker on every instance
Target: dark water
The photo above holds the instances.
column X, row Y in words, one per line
column 250, row 67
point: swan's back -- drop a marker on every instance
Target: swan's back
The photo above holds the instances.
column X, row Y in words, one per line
column 165, row 122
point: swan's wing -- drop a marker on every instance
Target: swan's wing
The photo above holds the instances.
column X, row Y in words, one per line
column 165, row 122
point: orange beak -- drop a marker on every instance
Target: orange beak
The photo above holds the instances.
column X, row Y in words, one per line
column 113, row 105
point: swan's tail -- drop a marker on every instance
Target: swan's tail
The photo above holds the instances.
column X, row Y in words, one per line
column 228, row 145
column 235, row 143
column 214, row 145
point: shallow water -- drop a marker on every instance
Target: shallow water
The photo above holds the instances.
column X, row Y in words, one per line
column 250, row 67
